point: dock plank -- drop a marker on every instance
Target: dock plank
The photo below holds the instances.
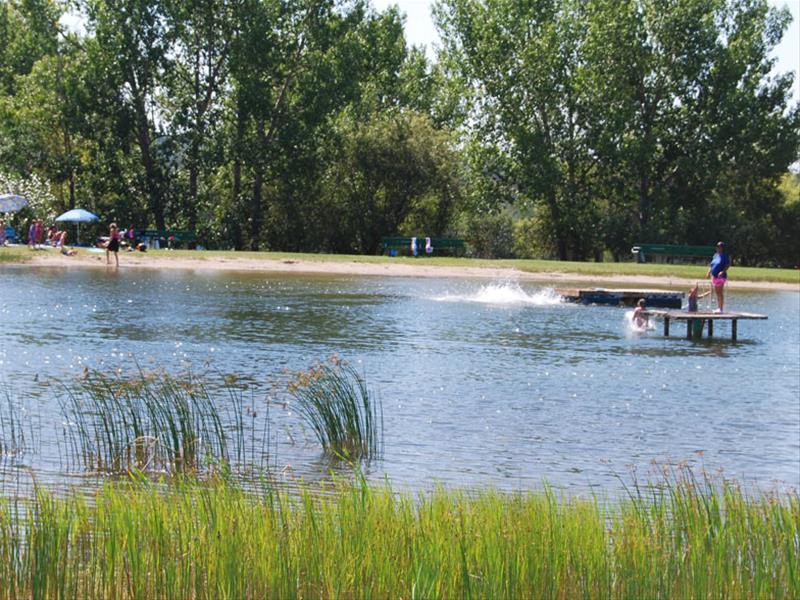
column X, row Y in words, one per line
column 690, row 317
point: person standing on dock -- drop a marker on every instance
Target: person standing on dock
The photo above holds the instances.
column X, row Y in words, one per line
column 718, row 272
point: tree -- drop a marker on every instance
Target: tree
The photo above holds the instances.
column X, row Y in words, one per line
column 688, row 110
column 132, row 48
column 521, row 64
column 202, row 31
column 397, row 173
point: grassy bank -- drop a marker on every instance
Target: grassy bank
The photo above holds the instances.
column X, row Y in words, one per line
column 189, row 540
column 15, row 254
column 605, row 269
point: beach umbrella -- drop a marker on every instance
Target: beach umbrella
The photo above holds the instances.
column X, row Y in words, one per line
column 77, row 215
column 11, row 202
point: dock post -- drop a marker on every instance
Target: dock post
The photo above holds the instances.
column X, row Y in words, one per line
column 733, row 329
column 689, row 323
column 666, row 326
column 711, row 328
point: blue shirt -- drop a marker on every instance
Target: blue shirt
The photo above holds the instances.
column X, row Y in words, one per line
column 719, row 263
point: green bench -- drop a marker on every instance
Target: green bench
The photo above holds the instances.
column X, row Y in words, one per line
column 402, row 245
column 669, row 252
column 169, row 237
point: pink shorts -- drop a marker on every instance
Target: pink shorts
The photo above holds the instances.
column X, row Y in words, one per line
column 718, row 281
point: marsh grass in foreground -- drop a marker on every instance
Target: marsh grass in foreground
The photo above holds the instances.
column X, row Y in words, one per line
column 188, row 540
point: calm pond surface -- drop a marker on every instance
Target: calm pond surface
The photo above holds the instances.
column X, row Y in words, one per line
column 483, row 383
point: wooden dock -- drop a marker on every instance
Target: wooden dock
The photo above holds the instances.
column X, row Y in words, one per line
column 622, row 297
column 695, row 321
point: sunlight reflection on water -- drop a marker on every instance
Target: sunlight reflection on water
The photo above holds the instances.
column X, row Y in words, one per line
column 482, row 383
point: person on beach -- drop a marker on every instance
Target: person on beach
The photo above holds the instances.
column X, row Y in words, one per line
column 32, row 234
column 39, row 232
column 639, row 317
column 113, row 244
column 718, row 272
column 52, row 232
column 60, row 239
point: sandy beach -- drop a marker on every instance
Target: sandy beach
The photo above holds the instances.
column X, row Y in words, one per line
column 352, row 267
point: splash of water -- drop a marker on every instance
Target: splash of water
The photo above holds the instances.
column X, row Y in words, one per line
column 507, row 293
column 632, row 328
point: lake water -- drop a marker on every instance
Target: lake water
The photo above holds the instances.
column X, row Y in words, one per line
column 483, row 383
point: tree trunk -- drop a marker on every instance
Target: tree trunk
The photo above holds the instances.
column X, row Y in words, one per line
column 235, row 193
column 644, row 200
column 194, row 168
column 154, row 200
column 256, row 201
column 558, row 227
column 255, row 208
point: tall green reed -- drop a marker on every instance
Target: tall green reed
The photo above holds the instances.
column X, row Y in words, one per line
column 335, row 402
column 157, row 421
column 186, row 539
column 13, row 437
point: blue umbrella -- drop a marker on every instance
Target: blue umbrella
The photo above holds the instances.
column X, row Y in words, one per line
column 77, row 215
column 12, row 202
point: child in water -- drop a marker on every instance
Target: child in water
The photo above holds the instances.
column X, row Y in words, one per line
column 639, row 317
column 694, row 297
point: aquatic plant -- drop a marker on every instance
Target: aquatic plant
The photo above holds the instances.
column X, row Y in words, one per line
column 12, row 432
column 186, row 539
column 158, row 421
column 335, row 402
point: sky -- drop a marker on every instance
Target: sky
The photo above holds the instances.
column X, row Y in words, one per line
column 421, row 32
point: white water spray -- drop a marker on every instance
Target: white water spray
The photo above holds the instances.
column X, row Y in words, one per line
column 507, row 294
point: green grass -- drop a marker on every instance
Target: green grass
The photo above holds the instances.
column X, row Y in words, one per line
column 159, row 421
column 603, row 269
column 334, row 401
column 15, row 254
column 184, row 539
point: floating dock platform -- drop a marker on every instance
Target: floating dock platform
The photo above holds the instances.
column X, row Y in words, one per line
column 622, row 297
column 695, row 321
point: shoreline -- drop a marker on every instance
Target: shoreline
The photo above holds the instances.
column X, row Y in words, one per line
column 45, row 259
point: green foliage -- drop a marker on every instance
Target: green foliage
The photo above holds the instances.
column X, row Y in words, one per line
column 397, row 174
column 187, row 539
column 335, row 402
column 490, row 235
column 154, row 421
column 534, row 236
column 41, row 202
column 311, row 126
column 625, row 120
